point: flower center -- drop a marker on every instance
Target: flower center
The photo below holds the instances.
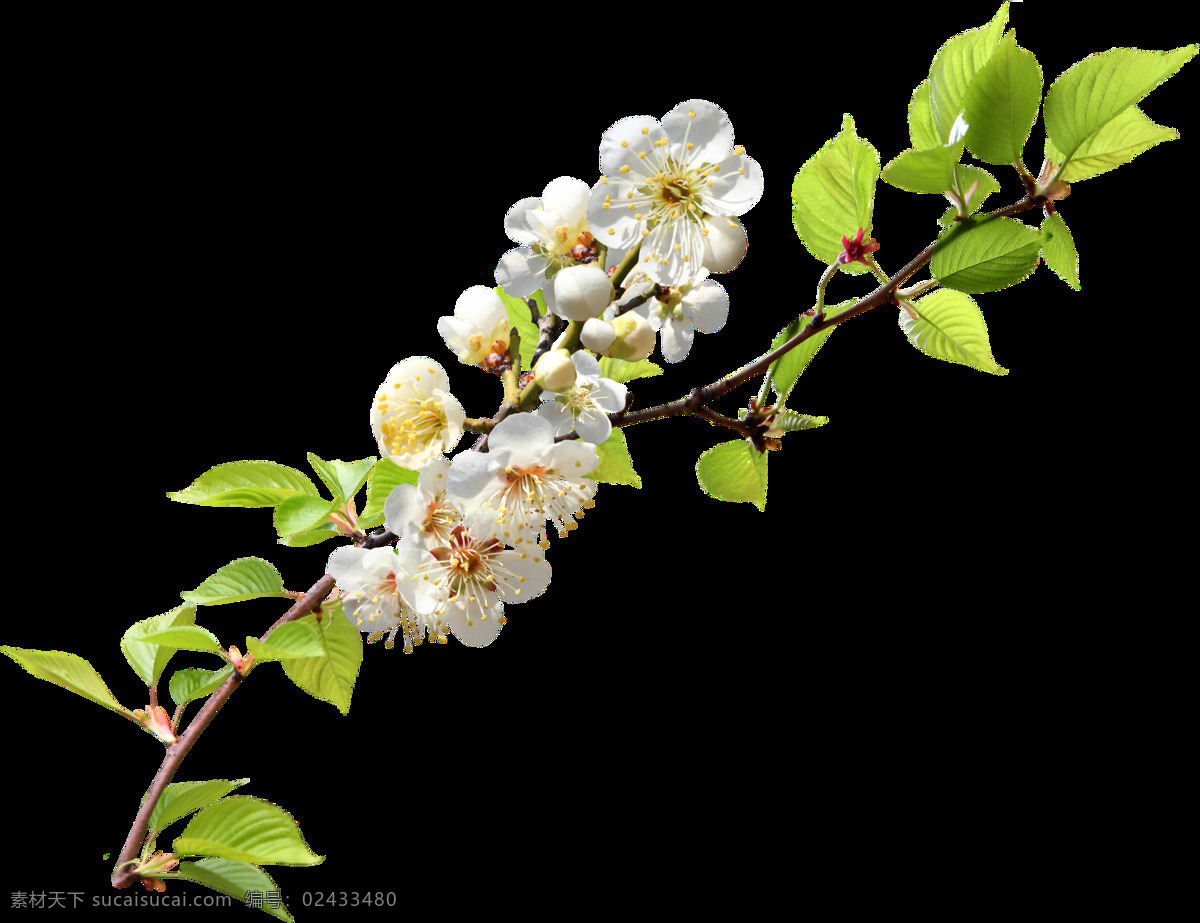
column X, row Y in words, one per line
column 417, row 426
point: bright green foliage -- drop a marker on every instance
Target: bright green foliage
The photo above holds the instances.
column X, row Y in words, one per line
column 921, row 130
column 181, row 638
column 385, row 477
column 833, row 195
column 519, row 317
column 70, row 671
column 330, row 678
column 1059, row 252
column 950, row 326
column 734, row 471
column 245, row 483
column 790, row 366
column 955, row 66
column 616, row 464
column 291, row 639
column 344, row 479
column 179, row 799
column 623, row 371
column 1002, row 102
column 928, row 171
column 321, row 533
column 790, row 421
column 986, row 254
column 149, row 660
column 192, row 683
column 240, row 579
column 1121, row 139
column 1098, row 89
column 965, row 176
column 226, row 876
column 245, row 829
column 301, row 513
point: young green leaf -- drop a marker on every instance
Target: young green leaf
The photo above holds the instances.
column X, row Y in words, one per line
column 790, row 421
column 149, row 660
column 245, row 829
column 301, row 513
column 385, row 477
column 181, row 638
column 179, row 799
column 246, row 484
column 927, row 171
column 955, row 66
column 986, row 254
column 193, row 683
column 237, row 879
column 330, row 679
column 734, row 471
column 240, row 579
column 1059, row 252
column 344, row 479
column 289, row 640
column 1092, row 92
column 1121, row 139
column 966, row 176
column 622, row 370
column 921, row 130
column 321, row 533
column 785, row 370
column 519, row 317
column 833, row 195
column 70, row 671
column 950, row 326
column 1002, row 102
column 616, row 464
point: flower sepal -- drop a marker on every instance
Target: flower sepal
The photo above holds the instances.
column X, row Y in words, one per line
column 154, row 718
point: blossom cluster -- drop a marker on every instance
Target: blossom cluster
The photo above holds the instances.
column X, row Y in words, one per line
column 623, row 263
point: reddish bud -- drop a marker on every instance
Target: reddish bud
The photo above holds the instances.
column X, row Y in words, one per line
column 855, row 251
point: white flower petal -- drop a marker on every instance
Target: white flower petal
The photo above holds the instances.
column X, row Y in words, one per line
column 597, row 335
column 559, row 415
column 573, row 458
column 609, row 395
column 676, row 339
column 587, row 369
column 725, row 243
column 524, row 436
column 566, row 197
column 593, row 426
column 515, row 225
column 624, row 140
column 676, row 251
column 615, row 227
column 703, row 125
column 530, row 573
column 520, row 272
column 707, row 306
column 736, row 187
column 469, row 476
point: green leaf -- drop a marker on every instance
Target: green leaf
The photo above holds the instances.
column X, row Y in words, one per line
column 965, row 176
column 790, row 421
column 1002, row 102
column 921, row 130
column 616, row 464
column 193, row 683
column 519, row 317
column 955, row 66
column 240, row 579
column 385, row 477
column 927, row 171
column 179, row 799
column 986, row 254
column 344, row 479
column 622, row 370
column 70, row 671
column 833, row 195
column 321, row 533
column 330, row 679
column 148, row 660
column 245, row 483
column 1094, row 91
column 181, row 638
column 734, row 471
column 1122, row 138
column 302, row 512
column 1059, row 252
column 237, row 879
column 790, row 366
column 951, row 327
column 245, row 829
column 291, row 639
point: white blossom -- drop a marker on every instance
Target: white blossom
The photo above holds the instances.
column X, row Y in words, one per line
column 585, row 406
column 368, row 578
column 422, row 513
column 663, row 183
column 414, row 416
column 478, row 325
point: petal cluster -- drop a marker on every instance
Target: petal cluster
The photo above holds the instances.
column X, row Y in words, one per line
column 584, row 407
column 478, row 328
column 414, row 416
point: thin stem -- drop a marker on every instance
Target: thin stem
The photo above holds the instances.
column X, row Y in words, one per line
column 124, row 875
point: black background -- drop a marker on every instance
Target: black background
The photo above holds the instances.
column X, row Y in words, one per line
column 234, row 230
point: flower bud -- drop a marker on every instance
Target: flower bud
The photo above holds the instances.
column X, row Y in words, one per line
column 725, row 244
column 634, row 338
column 597, row 335
column 554, row 372
column 581, row 292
